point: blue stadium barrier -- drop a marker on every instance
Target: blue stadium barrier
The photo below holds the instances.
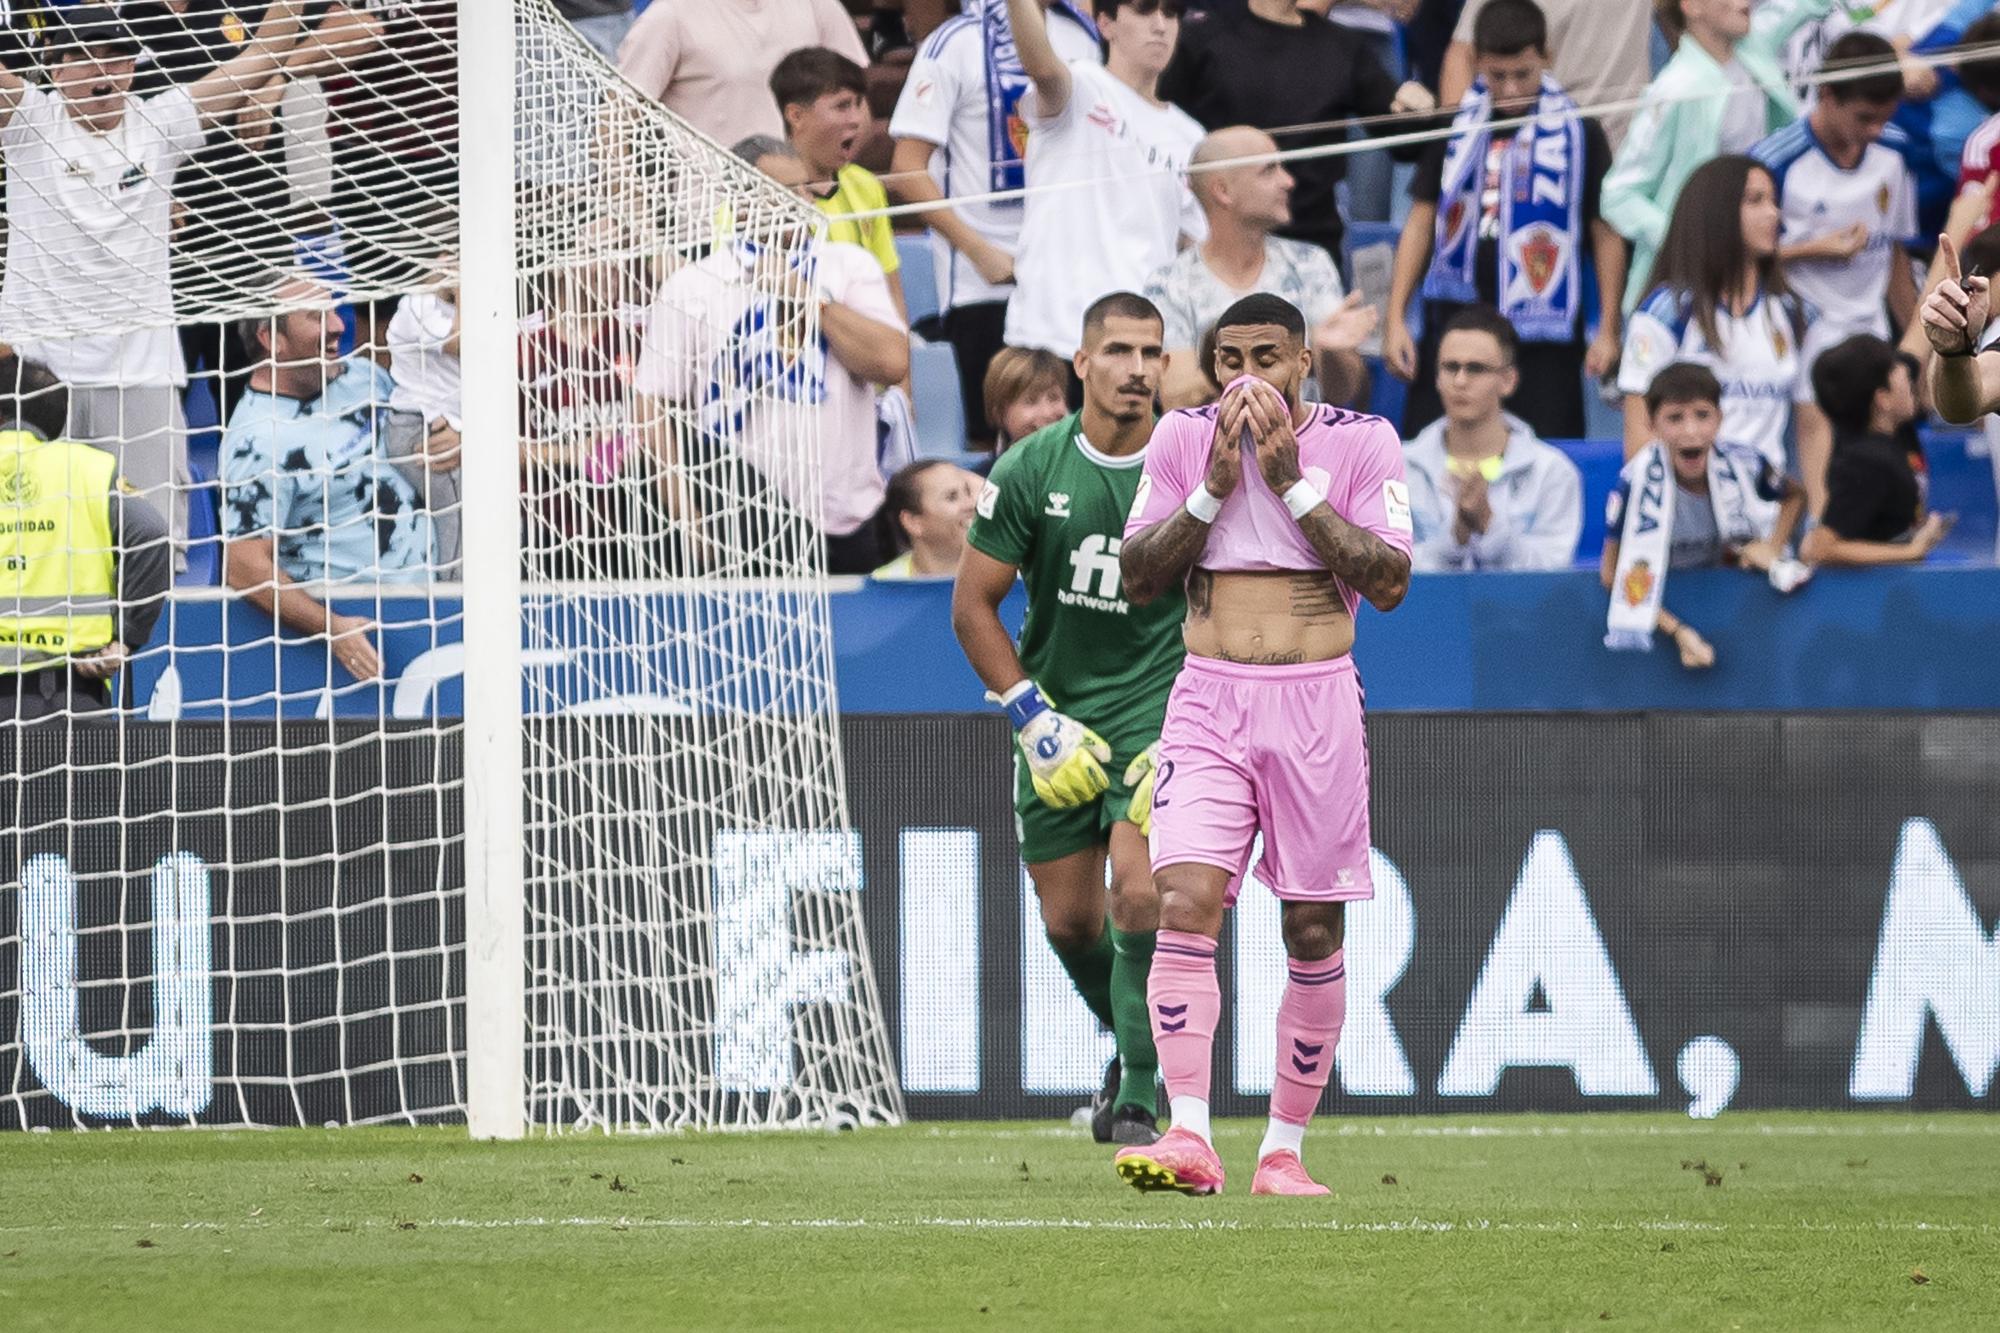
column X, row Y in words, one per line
column 935, row 395
column 1894, row 639
column 919, row 274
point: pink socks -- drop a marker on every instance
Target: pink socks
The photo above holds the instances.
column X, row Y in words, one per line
column 1309, row 1019
column 1185, row 1002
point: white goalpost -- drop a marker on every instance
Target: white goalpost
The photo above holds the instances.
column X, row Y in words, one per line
column 484, row 763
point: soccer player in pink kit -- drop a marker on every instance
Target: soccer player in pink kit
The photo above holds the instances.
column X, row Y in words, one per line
column 1279, row 516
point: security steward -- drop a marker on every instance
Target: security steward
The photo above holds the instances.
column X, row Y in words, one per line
column 84, row 564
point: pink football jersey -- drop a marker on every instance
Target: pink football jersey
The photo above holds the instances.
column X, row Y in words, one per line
column 1357, row 460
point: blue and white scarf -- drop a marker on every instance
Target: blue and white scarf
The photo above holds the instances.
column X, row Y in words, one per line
column 754, row 362
column 1006, row 84
column 1541, row 214
column 1645, row 540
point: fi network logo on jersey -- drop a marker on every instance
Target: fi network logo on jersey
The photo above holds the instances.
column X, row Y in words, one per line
column 1058, row 505
column 1094, row 563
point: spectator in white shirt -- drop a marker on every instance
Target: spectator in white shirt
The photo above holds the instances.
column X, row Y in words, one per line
column 427, row 407
column 716, row 343
column 1107, row 161
column 958, row 129
column 1485, row 493
column 90, row 172
column 1244, row 206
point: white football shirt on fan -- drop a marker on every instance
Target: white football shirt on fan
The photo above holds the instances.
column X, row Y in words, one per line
column 945, row 102
column 89, row 217
column 1819, row 198
column 1759, row 362
column 1120, row 207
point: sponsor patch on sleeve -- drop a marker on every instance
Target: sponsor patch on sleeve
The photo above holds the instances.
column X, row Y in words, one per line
column 1396, row 505
column 989, row 496
column 1144, row 493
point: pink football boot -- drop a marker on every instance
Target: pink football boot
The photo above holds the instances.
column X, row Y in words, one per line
column 1181, row 1160
column 1283, row 1173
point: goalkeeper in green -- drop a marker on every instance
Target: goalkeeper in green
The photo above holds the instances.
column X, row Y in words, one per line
column 1087, row 689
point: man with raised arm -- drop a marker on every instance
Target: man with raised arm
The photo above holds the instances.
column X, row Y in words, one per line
column 1965, row 374
column 90, row 171
column 1087, row 684
column 1278, row 517
column 1108, row 200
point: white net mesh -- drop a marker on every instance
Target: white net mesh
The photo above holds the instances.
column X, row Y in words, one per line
column 239, row 898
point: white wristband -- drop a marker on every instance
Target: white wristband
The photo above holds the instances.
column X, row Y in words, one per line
column 1203, row 505
column 1303, row 497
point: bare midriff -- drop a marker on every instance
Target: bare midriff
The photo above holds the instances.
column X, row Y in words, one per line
column 1268, row 618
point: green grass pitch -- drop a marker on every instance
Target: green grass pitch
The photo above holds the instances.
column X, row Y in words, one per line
column 1864, row 1221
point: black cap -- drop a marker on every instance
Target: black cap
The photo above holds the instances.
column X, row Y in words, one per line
column 93, row 28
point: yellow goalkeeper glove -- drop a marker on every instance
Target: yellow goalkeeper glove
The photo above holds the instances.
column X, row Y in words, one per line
column 1065, row 758
column 1139, row 775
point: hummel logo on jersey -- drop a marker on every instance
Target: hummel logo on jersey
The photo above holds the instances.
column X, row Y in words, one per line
column 1058, row 505
column 1096, row 560
column 1343, row 878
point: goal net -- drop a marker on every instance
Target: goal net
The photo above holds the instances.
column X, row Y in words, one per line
column 481, row 761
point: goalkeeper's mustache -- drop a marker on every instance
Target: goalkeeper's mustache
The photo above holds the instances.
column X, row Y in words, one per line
column 1140, row 387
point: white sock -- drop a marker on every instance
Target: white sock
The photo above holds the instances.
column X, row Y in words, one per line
column 1190, row 1114
column 1279, row 1136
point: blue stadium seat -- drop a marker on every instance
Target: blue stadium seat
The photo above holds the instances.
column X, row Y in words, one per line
column 204, row 549
column 1600, row 461
column 935, row 395
column 1961, row 474
column 919, row 274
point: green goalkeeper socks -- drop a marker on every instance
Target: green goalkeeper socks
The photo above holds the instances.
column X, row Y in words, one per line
column 1131, row 1020
column 1090, row 971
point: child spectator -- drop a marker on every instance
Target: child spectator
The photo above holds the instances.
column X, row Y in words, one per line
column 1485, row 493
column 823, row 97
column 1506, row 217
column 1685, row 501
column 1848, row 200
column 1875, row 484
column 1599, row 51
column 1025, row 390
column 1722, row 92
column 1719, row 299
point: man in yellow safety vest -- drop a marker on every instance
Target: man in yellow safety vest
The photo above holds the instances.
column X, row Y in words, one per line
column 84, row 564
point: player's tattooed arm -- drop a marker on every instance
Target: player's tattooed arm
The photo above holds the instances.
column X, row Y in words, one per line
column 1156, row 559
column 1366, row 563
column 1160, row 557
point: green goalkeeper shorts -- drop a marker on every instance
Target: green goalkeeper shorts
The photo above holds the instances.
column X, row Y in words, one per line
column 1048, row 834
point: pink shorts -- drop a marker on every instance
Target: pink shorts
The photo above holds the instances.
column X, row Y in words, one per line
column 1273, row 749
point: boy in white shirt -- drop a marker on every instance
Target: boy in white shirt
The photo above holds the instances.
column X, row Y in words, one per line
column 90, row 172
column 1107, row 161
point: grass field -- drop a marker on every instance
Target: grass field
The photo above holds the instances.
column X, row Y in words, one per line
column 1859, row 1221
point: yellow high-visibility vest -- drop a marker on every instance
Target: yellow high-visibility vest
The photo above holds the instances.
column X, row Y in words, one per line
column 58, row 563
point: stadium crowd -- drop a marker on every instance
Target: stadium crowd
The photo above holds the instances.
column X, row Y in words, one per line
column 1602, row 239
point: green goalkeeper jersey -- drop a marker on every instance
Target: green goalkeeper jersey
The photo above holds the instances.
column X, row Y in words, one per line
column 1055, row 508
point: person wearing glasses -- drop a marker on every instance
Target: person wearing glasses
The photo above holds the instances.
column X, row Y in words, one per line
column 1485, row 492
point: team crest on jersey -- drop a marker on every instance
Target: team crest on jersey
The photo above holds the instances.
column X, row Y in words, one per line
column 1882, row 201
column 1780, row 344
column 1638, row 583
column 1539, row 256
column 1058, row 505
